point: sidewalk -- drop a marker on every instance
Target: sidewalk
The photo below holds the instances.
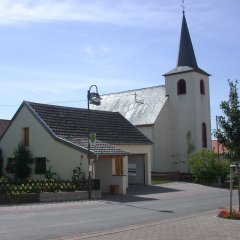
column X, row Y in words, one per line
column 193, row 227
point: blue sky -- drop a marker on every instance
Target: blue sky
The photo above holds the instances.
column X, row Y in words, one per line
column 51, row 51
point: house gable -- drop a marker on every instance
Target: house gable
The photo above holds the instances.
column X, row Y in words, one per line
column 26, row 116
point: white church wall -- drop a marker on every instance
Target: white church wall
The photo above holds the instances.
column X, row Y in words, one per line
column 187, row 113
column 162, row 142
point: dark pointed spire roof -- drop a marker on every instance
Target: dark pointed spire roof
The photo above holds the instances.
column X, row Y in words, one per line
column 186, row 57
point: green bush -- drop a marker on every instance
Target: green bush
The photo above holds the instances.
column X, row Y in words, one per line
column 49, row 174
column 4, row 179
column 23, row 160
column 78, row 174
column 205, row 166
column 222, row 168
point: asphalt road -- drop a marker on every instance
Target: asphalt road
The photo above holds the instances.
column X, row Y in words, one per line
column 143, row 204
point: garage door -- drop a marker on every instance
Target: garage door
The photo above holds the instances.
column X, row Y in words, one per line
column 136, row 169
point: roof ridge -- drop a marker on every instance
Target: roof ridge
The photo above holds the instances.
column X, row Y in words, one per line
column 68, row 108
column 53, row 105
column 133, row 90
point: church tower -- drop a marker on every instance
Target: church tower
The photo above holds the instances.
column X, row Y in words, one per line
column 187, row 88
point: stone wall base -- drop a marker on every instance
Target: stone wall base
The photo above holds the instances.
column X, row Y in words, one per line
column 68, row 196
column 48, row 197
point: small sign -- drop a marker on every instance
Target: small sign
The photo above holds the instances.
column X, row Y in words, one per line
column 93, row 138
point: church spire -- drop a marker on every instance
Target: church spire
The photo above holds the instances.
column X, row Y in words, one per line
column 186, row 61
column 186, row 55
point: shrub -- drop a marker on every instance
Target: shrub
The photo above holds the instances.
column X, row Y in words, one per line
column 22, row 162
column 49, row 174
column 4, row 179
column 205, row 166
column 78, row 174
column 222, row 168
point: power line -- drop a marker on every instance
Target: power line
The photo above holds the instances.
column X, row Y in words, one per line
column 69, row 101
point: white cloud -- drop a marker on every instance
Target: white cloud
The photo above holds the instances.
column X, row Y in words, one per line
column 151, row 13
column 120, row 12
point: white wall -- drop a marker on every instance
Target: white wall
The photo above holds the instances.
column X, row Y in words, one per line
column 141, row 149
column 104, row 171
column 60, row 156
column 159, row 135
column 162, row 142
column 187, row 113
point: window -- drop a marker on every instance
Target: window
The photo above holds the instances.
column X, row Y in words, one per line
column 204, row 135
column 25, row 136
column 132, row 169
column 10, row 165
column 40, row 165
column 118, row 169
column 202, row 87
column 181, row 87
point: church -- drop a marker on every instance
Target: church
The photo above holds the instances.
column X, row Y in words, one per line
column 167, row 113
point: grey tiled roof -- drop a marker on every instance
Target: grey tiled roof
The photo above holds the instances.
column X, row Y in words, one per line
column 3, row 125
column 71, row 123
column 139, row 106
column 184, row 69
column 98, row 148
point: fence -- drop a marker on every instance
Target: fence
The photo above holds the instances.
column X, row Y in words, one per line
column 10, row 187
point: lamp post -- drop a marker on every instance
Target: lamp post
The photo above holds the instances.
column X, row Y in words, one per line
column 95, row 99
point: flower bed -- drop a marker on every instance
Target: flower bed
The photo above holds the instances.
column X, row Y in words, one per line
column 224, row 213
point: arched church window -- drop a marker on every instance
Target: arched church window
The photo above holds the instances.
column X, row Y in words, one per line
column 181, row 87
column 202, row 87
column 204, row 135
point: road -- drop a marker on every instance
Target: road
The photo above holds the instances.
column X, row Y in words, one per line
column 141, row 205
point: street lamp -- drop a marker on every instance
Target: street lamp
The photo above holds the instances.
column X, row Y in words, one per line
column 95, row 99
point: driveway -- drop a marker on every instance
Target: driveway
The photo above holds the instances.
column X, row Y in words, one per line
column 173, row 190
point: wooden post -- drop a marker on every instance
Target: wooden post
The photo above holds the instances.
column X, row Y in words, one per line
column 217, row 140
column 231, row 186
column 238, row 172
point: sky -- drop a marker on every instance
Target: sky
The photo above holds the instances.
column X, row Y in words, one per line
column 52, row 51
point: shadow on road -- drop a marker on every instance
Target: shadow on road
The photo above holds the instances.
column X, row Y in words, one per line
column 137, row 193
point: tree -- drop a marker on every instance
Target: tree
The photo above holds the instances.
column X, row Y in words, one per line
column 228, row 133
column 22, row 162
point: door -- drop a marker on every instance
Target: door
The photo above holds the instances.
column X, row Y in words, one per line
column 136, row 169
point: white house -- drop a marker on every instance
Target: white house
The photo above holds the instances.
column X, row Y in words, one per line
column 57, row 138
column 165, row 114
